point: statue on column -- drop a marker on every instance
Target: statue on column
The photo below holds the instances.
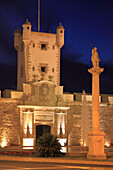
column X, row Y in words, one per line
column 94, row 58
column 96, row 136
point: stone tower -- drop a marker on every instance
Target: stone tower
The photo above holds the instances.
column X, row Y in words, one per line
column 38, row 55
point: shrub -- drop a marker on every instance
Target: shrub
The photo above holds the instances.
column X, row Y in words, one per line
column 48, row 146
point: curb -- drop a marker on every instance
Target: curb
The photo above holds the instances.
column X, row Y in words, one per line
column 55, row 160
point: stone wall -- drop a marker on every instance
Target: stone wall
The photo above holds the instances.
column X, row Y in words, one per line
column 74, row 122
column 106, row 122
column 9, row 121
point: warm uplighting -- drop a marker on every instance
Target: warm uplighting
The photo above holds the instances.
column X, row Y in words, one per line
column 61, row 123
column 62, row 142
column 28, row 122
column 25, row 130
column 81, row 143
column 28, row 141
column 30, row 129
column 27, row 147
column 107, row 144
column 3, row 143
column 84, row 144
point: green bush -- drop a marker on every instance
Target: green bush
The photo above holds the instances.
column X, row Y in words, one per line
column 48, row 146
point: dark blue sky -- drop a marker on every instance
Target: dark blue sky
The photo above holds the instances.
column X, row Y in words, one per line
column 85, row 22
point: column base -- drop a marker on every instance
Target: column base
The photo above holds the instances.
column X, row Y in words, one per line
column 96, row 145
column 97, row 157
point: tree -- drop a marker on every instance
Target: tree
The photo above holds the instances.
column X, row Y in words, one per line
column 48, row 146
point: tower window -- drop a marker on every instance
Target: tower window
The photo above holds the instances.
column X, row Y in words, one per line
column 33, row 45
column 43, row 69
column 43, row 46
column 61, row 31
column 53, row 70
column 33, row 68
column 28, row 28
column 53, row 47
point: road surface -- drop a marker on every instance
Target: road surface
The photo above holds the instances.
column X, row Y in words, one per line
column 14, row 165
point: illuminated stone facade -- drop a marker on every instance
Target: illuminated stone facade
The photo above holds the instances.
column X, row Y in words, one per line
column 41, row 106
column 20, row 115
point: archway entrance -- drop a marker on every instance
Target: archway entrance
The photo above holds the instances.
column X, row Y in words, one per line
column 42, row 129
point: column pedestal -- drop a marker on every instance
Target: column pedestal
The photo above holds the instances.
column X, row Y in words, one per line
column 96, row 145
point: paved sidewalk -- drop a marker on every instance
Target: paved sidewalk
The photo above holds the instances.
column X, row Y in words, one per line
column 58, row 160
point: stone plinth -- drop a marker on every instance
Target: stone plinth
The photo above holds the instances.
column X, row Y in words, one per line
column 96, row 145
column 96, row 137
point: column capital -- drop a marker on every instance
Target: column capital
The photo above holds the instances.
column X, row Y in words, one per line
column 95, row 70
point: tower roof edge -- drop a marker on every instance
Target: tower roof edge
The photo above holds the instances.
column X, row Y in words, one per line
column 17, row 30
column 27, row 22
column 60, row 26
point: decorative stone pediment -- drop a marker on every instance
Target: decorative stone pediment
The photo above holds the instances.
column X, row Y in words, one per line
column 40, row 93
column 44, row 91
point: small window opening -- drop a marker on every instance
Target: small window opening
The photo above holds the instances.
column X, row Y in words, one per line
column 33, row 45
column 53, row 47
column 28, row 28
column 33, row 68
column 43, row 69
column 43, row 46
column 61, row 31
column 52, row 69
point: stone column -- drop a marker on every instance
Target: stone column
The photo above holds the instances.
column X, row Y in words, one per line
column 96, row 136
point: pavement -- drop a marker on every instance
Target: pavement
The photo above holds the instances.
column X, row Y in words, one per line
column 58, row 160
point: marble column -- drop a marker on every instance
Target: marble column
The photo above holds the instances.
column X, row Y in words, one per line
column 96, row 136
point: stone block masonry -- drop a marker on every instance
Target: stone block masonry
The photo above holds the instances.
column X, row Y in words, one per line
column 10, row 122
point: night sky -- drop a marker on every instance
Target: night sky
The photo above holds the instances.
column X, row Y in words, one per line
column 87, row 23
